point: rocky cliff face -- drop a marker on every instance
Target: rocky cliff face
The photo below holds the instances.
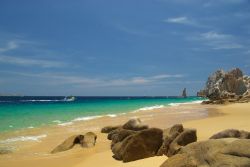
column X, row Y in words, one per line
column 230, row 86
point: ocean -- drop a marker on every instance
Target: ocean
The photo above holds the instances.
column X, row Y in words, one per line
column 36, row 111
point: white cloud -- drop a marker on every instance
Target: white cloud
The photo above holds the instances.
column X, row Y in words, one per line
column 29, row 62
column 56, row 79
column 11, row 45
column 218, row 41
column 211, row 35
column 179, row 20
column 183, row 20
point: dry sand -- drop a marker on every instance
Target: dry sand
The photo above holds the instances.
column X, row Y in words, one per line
column 208, row 120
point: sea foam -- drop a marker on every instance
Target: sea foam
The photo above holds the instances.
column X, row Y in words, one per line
column 193, row 102
column 150, row 108
column 23, row 138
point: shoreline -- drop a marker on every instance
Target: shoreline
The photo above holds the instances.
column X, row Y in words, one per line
column 36, row 150
column 207, row 119
column 94, row 117
column 74, row 112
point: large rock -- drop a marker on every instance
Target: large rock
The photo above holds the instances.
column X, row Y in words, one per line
column 232, row 133
column 222, row 87
column 120, row 134
column 212, row 153
column 108, row 129
column 87, row 140
column 134, row 124
column 175, row 138
column 143, row 144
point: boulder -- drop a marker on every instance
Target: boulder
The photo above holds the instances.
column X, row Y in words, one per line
column 184, row 138
column 212, row 153
column 168, row 137
column 108, row 129
column 231, row 133
column 68, row 143
column 134, row 124
column 87, row 140
column 142, row 144
column 175, row 138
column 121, row 135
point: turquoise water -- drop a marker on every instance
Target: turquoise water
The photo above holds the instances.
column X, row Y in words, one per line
column 28, row 112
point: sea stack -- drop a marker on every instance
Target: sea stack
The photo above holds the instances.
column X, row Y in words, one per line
column 184, row 93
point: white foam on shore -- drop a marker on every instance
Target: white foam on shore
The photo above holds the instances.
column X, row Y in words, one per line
column 112, row 115
column 57, row 121
column 86, row 118
column 150, row 108
column 24, row 138
column 65, row 124
column 193, row 102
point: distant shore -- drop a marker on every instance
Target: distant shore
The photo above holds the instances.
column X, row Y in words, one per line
column 207, row 119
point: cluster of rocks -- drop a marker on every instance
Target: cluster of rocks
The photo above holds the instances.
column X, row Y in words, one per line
column 223, row 87
column 227, row 148
column 87, row 140
column 134, row 141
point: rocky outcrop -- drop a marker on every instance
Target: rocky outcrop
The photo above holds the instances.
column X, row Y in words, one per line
column 232, row 133
column 108, row 129
column 223, row 87
column 133, row 124
column 184, row 93
column 135, row 142
column 87, row 140
column 212, row 153
column 175, row 138
column 140, row 145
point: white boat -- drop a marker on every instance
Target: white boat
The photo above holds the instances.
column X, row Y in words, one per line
column 69, row 98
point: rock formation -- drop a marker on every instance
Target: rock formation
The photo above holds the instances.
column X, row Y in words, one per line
column 212, row 153
column 134, row 141
column 222, row 87
column 140, row 145
column 184, row 93
column 231, row 133
column 87, row 140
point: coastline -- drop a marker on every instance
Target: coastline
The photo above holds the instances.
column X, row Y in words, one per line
column 207, row 119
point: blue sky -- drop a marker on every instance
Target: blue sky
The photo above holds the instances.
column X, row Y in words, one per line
column 118, row 47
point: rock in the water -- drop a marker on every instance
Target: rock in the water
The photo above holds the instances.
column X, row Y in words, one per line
column 231, row 133
column 224, row 87
column 87, row 140
column 134, row 124
column 212, row 153
column 143, row 144
column 184, row 93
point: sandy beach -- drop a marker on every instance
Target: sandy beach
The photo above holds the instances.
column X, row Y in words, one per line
column 207, row 119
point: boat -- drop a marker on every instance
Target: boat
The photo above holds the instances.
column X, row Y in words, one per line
column 69, row 98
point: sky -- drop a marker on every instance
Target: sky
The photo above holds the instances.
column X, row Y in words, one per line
column 119, row 47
